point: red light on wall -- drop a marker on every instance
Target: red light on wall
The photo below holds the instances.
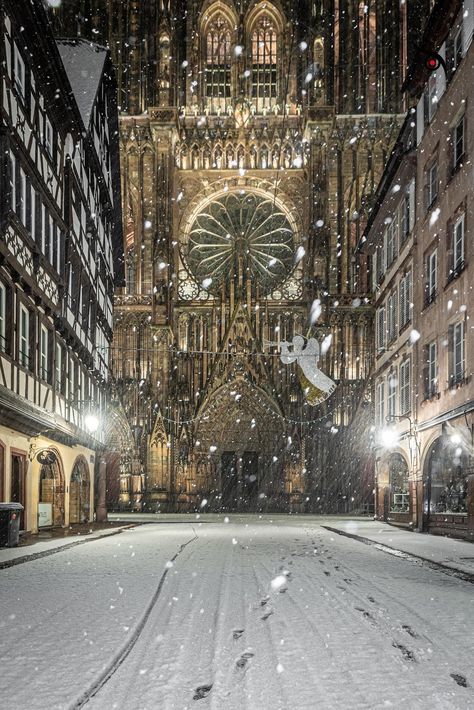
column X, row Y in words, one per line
column 432, row 63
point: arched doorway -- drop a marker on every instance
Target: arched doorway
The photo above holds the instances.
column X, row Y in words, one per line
column 446, row 472
column 79, row 493
column 398, row 479
column 51, row 486
column 241, row 453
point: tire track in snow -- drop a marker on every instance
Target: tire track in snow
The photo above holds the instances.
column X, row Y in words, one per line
column 122, row 654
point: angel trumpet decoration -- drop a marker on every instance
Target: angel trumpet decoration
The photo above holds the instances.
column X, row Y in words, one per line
column 316, row 385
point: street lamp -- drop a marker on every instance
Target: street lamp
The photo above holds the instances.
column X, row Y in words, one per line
column 388, row 437
column 92, row 423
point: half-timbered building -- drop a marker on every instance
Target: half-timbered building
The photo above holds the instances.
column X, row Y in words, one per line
column 60, row 218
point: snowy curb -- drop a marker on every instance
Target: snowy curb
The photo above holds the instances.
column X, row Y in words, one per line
column 450, row 570
column 53, row 550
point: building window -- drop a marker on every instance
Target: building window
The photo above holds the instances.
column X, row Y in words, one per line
column 58, row 370
column 23, row 186
column 457, row 48
column 399, row 489
column 392, row 316
column 43, row 224
column 458, row 248
column 381, row 330
column 32, row 216
column 458, row 144
column 3, row 318
column 405, row 300
column 431, row 277
column 392, row 384
column 19, row 71
column 456, row 354
column 12, row 182
column 218, row 64
column 380, row 262
column 264, row 62
column 432, row 184
column 48, row 136
column 405, row 405
column 431, row 378
column 43, row 353
column 50, row 240
column 404, row 219
column 380, row 404
column 391, row 238
column 24, row 337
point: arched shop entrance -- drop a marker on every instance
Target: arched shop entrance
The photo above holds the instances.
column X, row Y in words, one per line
column 398, row 478
column 79, row 492
column 445, row 484
column 51, row 488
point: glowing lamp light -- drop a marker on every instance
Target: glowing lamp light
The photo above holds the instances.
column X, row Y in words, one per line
column 92, row 423
column 388, row 437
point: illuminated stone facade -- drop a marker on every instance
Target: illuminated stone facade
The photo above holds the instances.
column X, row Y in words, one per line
column 234, row 114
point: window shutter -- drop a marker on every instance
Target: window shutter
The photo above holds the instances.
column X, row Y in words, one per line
column 408, row 296
column 420, row 118
column 427, row 371
column 440, row 76
column 411, row 205
column 402, row 301
column 459, row 242
column 433, row 276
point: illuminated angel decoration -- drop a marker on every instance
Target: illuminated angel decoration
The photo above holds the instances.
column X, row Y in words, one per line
column 316, row 385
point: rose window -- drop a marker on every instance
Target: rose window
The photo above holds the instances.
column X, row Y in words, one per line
column 241, row 233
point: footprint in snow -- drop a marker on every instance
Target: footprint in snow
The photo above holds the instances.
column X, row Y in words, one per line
column 202, row 691
column 406, row 653
column 328, row 574
column 237, row 633
column 366, row 614
column 265, row 616
column 459, row 679
column 264, row 601
column 410, row 631
column 244, row 659
column 371, row 599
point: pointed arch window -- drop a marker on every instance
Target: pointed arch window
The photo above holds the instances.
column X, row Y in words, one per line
column 264, row 62
column 218, row 64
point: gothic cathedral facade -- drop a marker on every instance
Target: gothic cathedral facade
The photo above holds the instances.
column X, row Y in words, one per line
column 253, row 135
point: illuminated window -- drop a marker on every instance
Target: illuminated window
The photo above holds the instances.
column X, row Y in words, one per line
column 218, row 64
column 264, row 63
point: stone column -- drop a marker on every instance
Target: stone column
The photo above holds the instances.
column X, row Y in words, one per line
column 101, row 509
column 470, row 507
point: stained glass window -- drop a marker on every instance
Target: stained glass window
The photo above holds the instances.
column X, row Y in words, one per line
column 264, row 63
column 218, row 64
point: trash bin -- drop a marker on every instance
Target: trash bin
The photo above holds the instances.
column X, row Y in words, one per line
column 10, row 524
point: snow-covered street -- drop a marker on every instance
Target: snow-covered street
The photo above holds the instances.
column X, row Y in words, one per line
column 258, row 613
